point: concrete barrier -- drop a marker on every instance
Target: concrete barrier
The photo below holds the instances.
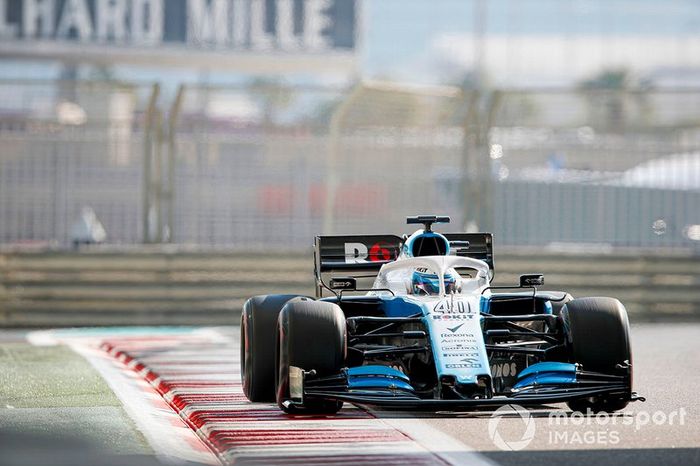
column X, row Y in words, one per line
column 145, row 286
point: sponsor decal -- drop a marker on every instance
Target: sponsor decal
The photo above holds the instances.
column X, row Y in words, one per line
column 463, row 337
column 358, row 253
column 462, row 366
column 452, row 316
column 459, row 347
column 454, row 329
column 348, row 283
column 459, row 336
column 506, row 369
column 306, row 25
column 381, row 251
column 458, row 355
column 355, row 253
column 447, row 306
column 470, row 360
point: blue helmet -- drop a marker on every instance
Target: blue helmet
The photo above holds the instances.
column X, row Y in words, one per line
column 425, row 283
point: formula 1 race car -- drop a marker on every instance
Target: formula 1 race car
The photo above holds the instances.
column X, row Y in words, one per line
column 430, row 332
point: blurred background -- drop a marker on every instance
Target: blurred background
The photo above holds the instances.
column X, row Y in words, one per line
column 162, row 160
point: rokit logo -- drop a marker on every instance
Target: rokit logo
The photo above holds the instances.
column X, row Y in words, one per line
column 452, row 316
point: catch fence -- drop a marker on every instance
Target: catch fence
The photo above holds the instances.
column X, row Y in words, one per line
column 268, row 165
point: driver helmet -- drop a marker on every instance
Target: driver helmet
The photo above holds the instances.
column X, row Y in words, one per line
column 428, row 284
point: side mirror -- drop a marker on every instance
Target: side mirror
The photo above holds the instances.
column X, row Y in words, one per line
column 343, row 283
column 531, row 280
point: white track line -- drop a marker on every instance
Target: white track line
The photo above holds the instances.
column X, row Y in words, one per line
column 167, row 434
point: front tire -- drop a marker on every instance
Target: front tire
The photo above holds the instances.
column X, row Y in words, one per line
column 598, row 336
column 258, row 327
column 311, row 335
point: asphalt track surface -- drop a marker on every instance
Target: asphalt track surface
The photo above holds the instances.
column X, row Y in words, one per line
column 667, row 373
column 663, row 430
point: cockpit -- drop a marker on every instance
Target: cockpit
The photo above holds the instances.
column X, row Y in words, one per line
column 433, row 276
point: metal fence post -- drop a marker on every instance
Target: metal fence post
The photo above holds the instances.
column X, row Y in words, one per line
column 173, row 119
column 471, row 197
column 149, row 124
column 334, row 134
column 157, row 185
column 477, row 183
column 487, row 213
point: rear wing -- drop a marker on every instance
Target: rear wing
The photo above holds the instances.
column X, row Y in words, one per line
column 362, row 256
column 478, row 246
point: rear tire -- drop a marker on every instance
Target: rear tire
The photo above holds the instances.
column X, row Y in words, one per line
column 258, row 327
column 598, row 335
column 311, row 335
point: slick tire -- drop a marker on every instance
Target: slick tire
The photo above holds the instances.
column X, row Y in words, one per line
column 311, row 335
column 598, row 336
column 258, row 327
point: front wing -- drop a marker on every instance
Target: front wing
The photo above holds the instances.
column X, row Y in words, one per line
column 382, row 386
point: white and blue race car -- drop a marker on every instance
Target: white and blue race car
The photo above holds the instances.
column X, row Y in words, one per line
column 428, row 331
